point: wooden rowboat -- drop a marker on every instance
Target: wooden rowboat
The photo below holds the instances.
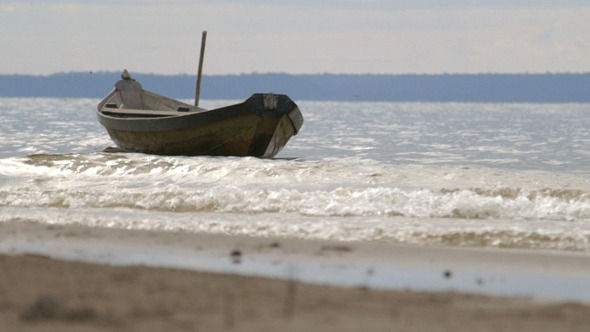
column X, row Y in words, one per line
column 142, row 121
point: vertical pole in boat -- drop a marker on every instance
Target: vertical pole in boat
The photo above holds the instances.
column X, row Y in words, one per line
column 201, row 58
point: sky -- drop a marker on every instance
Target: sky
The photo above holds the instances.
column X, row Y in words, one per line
column 295, row 36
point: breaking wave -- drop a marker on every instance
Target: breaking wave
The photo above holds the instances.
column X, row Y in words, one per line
column 309, row 188
column 343, row 201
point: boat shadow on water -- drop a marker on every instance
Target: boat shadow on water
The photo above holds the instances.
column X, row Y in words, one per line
column 117, row 150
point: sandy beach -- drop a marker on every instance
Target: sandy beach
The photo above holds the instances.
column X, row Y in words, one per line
column 71, row 278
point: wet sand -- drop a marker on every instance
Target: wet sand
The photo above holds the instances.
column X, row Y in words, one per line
column 44, row 286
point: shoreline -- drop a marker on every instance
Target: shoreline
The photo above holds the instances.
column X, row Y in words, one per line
column 103, row 279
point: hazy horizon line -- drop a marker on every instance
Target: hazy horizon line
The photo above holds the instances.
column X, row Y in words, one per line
column 90, row 72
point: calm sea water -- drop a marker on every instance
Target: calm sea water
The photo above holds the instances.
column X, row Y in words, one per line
column 486, row 175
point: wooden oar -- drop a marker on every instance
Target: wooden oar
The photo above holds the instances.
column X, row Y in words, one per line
column 201, row 58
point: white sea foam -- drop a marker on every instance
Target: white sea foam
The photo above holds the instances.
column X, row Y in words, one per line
column 311, row 188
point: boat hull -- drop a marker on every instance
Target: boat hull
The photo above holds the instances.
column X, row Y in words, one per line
column 259, row 126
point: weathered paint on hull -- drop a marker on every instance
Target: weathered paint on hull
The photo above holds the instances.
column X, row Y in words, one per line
column 235, row 137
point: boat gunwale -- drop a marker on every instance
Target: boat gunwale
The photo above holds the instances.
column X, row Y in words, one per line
column 178, row 120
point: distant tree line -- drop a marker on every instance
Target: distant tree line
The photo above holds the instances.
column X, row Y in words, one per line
column 539, row 88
